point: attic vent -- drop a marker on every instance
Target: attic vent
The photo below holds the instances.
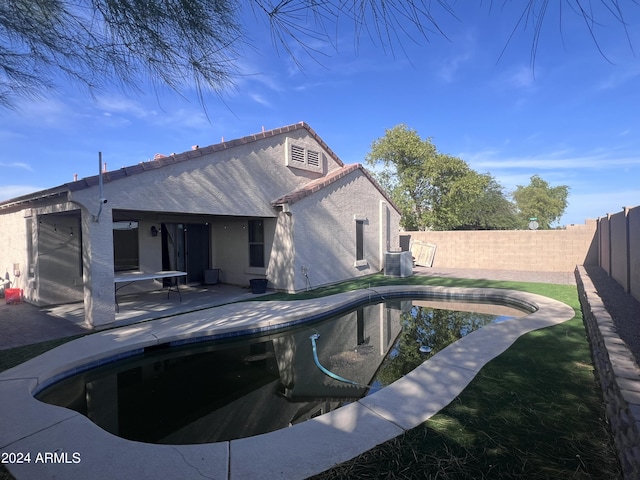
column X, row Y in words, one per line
column 301, row 157
column 313, row 158
column 297, row 154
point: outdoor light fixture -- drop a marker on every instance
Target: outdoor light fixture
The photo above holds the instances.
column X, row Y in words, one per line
column 154, row 231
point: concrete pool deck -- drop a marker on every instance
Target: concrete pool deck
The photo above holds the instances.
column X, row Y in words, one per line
column 65, row 444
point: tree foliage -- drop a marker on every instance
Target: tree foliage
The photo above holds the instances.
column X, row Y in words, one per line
column 101, row 42
column 541, row 201
column 434, row 190
column 180, row 43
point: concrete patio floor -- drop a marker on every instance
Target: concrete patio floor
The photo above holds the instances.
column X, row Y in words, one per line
column 24, row 324
column 296, row 452
column 159, row 303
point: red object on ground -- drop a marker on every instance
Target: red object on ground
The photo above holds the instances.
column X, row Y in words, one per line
column 13, row 295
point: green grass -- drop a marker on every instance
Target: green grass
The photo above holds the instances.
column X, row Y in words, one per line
column 535, row 412
column 15, row 356
column 379, row 280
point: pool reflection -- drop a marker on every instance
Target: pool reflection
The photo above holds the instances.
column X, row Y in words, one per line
column 226, row 390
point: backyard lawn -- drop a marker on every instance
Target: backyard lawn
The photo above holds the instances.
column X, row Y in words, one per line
column 534, row 412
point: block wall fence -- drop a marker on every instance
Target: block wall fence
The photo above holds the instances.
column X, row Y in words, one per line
column 619, row 239
column 612, row 242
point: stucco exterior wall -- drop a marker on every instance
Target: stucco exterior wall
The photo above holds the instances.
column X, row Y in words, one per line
column 281, row 272
column 13, row 249
column 230, row 239
column 237, row 182
column 540, row 250
column 324, row 231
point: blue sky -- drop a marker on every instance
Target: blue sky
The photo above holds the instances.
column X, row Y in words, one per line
column 572, row 117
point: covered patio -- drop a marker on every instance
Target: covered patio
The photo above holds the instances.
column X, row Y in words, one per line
column 159, row 303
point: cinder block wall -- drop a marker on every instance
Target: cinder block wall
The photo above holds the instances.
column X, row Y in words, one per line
column 634, row 252
column 618, row 239
column 619, row 248
column 539, row 250
column 618, row 374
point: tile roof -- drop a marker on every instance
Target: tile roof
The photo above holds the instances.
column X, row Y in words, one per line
column 322, row 182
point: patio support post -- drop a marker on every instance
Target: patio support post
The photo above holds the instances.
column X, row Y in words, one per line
column 98, row 276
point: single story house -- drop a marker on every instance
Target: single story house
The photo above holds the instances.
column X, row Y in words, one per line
column 278, row 205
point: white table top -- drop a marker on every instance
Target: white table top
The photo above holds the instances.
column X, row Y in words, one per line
column 139, row 276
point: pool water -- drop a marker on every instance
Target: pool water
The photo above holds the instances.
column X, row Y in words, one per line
column 224, row 390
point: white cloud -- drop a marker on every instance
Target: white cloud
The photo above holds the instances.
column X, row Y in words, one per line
column 47, row 112
column 521, row 77
column 122, row 105
column 619, row 77
column 260, row 99
column 450, row 67
column 12, row 191
column 554, row 160
column 21, row 165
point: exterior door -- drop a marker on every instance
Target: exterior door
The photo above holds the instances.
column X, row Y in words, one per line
column 197, row 251
column 185, row 247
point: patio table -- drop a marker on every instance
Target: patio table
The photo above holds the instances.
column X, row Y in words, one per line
column 121, row 280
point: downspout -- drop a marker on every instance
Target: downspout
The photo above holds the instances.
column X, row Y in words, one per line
column 101, row 199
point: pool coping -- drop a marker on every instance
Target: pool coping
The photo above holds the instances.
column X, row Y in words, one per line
column 30, row 426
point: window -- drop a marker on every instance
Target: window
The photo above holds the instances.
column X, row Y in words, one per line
column 256, row 243
column 359, row 240
column 126, row 255
column 360, row 260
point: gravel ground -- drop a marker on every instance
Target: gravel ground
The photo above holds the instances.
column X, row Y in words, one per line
column 623, row 308
column 564, row 278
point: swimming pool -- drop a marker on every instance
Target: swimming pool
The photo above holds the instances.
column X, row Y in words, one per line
column 228, row 389
column 290, row 453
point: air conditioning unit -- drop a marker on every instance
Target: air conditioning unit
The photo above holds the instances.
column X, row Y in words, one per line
column 398, row 264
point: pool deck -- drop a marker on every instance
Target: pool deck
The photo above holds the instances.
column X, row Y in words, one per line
column 52, row 435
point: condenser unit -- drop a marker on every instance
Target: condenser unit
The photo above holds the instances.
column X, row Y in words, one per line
column 398, row 264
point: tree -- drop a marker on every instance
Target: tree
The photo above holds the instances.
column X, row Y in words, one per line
column 541, row 201
column 435, row 190
column 101, row 43
column 485, row 206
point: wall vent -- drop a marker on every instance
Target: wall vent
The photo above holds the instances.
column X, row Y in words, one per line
column 299, row 155
column 313, row 158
